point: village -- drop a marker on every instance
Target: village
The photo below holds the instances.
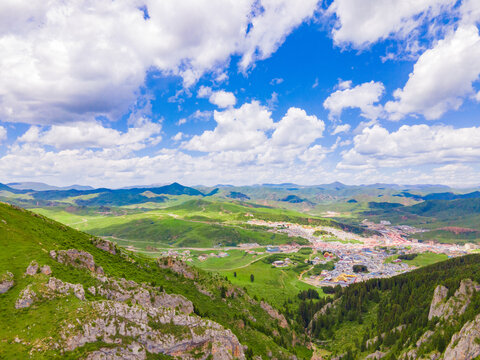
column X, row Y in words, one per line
column 346, row 250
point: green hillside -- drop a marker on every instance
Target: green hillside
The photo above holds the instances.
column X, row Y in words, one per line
column 30, row 332
column 391, row 315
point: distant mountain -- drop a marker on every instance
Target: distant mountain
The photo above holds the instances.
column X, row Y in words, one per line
column 38, row 186
column 452, row 196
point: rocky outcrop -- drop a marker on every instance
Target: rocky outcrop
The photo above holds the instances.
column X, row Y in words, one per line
column 146, row 296
column 424, row 338
column 26, row 298
column 325, row 308
column 45, row 269
column 157, row 330
column 274, row 314
column 105, row 245
column 58, row 286
column 455, row 305
column 465, row 344
column 176, row 266
column 376, row 355
column 77, row 258
column 32, row 269
column 6, row 282
column 133, row 351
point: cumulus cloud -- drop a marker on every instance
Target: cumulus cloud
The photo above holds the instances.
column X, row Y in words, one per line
column 297, row 128
column 220, row 98
column 223, row 99
column 362, row 96
column 51, row 71
column 83, row 135
column 272, row 21
column 237, row 129
column 412, row 145
column 3, row 133
column 178, row 136
column 361, row 23
column 441, row 78
column 341, row 128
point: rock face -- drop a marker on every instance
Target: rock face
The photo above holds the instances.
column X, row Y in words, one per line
column 465, row 344
column 77, row 258
column 105, row 245
column 274, row 314
column 6, row 282
column 456, row 305
column 59, row 286
column 32, row 269
column 156, row 330
column 26, row 299
column 146, row 296
column 177, row 266
column 133, row 351
column 376, row 355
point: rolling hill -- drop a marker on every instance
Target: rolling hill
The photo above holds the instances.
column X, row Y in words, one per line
column 104, row 300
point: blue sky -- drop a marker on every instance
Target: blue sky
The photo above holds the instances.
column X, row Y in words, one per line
column 240, row 92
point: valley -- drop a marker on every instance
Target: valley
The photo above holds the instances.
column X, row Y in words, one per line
column 293, row 262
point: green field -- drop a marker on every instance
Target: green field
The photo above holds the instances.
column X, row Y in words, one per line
column 422, row 259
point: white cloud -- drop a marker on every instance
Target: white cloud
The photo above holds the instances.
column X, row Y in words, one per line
column 361, row 23
column 220, row 98
column 341, row 128
column 276, row 81
column 362, row 96
column 181, row 121
column 412, row 145
column 297, row 128
column 477, row 97
column 204, row 91
column 223, row 99
column 51, row 71
column 3, row 133
column 237, row 129
column 83, row 135
column 441, row 78
column 179, row 136
column 342, row 85
column 273, row 20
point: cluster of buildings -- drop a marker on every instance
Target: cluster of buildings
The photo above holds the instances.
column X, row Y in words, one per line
column 204, row 257
column 370, row 252
column 343, row 274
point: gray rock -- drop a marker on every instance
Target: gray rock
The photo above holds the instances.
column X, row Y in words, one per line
column 77, row 258
column 147, row 296
column 274, row 314
column 376, row 355
column 57, row 285
column 6, row 282
column 455, row 305
column 45, row 269
column 105, row 245
column 151, row 329
column 424, row 338
column 32, row 269
column 464, row 344
column 134, row 351
column 26, row 299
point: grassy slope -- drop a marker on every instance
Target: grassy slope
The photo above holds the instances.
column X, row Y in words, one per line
column 423, row 259
column 25, row 237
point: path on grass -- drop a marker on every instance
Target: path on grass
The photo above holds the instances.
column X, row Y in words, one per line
column 239, row 267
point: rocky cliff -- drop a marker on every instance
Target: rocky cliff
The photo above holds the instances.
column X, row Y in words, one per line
column 138, row 319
